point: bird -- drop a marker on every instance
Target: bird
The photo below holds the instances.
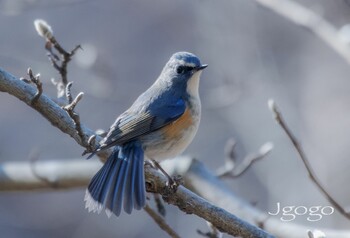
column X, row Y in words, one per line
column 159, row 125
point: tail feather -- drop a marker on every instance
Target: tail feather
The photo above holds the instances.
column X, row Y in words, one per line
column 106, row 193
column 140, row 190
column 96, row 184
column 118, row 190
column 119, row 183
column 95, row 187
column 129, row 188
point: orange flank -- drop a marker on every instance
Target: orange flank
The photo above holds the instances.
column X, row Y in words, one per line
column 176, row 128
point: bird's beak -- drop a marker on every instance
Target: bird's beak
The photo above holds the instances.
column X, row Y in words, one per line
column 203, row 66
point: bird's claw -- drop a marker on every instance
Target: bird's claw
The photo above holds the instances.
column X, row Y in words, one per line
column 174, row 182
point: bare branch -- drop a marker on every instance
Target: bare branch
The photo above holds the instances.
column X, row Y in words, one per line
column 279, row 119
column 36, row 80
column 33, row 157
column 18, row 176
column 57, row 116
column 66, row 58
column 53, row 174
column 160, row 205
column 45, row 31
column 161, row 222
column 183, row 198
column 304, row 17
column 231, row 170
column 73, row 104
column 191, row 203
column 75, row 117
column 68, row 92
column 203, row 182
column 91, row 142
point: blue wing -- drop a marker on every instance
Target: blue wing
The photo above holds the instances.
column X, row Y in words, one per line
column 133, row 124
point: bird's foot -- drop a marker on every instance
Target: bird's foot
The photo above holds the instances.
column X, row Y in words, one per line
column 148, row 163
column 173, row 182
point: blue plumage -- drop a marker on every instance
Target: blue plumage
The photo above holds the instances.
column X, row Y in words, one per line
column 160, row 124
column 120, row 182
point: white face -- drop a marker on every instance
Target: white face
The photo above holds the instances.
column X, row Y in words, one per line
column 193, row 84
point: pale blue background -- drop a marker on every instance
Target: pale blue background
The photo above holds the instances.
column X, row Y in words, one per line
column 253, row 55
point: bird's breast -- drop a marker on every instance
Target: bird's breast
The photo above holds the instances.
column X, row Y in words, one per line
column 178, row 127
column 174, row 138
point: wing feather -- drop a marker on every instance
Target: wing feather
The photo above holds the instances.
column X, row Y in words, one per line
column 131, row 125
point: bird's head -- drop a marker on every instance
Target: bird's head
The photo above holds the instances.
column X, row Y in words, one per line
column 183, row 69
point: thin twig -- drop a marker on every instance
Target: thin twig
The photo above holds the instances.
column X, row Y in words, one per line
column 25, row 80
column 279, row 119
column 45, row 31
column 161, row 222
column 69, row 93
column 91, row 142
column 65, row 55
column 76, row 173
column 76, row 118
column 33, row 158
column 213, row 233
column 74, row 102
column 304, row 17
column 191, row 203
column 231, row 170
column 160, row 205
column 39, row 86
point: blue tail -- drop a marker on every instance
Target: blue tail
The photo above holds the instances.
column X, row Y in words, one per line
column 120, row 182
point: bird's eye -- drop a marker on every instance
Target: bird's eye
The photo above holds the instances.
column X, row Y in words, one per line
column 183, row 69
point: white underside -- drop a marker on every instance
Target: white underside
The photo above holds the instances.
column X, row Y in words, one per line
column 172, row 148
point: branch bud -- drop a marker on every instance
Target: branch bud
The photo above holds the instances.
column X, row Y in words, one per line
column 43, row 29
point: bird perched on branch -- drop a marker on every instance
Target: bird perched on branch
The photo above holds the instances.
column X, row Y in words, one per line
column 160, row 124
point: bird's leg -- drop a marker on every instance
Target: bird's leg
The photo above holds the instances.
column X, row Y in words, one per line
column 173, row 183
column 157, row 165
column 148, row 163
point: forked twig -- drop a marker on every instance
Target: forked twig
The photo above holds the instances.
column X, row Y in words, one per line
column 231, row 170
column 279, row 119
column 39, row 86
column 75, row 116
column 60, row 61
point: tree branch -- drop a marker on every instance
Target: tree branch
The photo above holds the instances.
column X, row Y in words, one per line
column 191, row 203
column 53, row 174
column 61, row 174
column 57, row 116
column 308, row 19
column 203, row 182
column 183, row 198
column 279, row 119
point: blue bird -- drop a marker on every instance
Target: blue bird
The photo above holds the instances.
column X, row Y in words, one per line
column 160, row 124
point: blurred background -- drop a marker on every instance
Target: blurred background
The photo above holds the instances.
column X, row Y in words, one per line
column 253, row 55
